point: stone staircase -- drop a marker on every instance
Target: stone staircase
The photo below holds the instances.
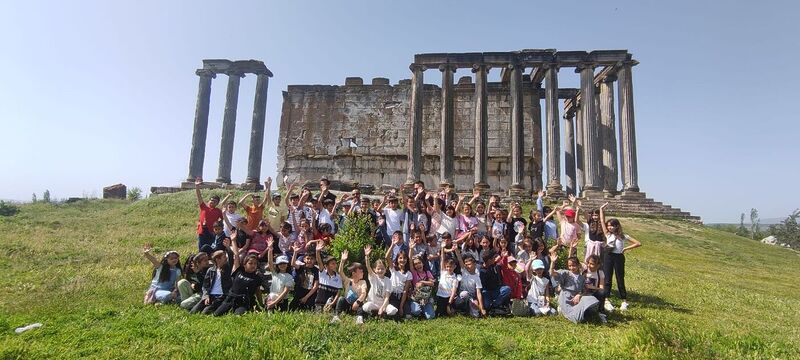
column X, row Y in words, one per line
column 636, row 204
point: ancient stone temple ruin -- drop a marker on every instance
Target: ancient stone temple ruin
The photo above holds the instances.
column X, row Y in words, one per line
column 474, row 133
column 235, row 70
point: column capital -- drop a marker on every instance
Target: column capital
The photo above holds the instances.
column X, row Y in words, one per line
column 511, row 66
column 477, row 67
column 417, row 67
column 588, row 65
column 627, row 63
column 609, row 78
column 448, row 67
column 232, row 73
column 206, row 72
column 552, row 65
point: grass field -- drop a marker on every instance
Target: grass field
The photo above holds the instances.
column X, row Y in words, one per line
column 77, row 268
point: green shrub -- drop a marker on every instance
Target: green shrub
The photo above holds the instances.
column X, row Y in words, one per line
column 134, row 194
column 8, row 209
column 356, row 232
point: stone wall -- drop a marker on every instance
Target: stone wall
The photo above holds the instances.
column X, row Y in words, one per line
column 315, row 119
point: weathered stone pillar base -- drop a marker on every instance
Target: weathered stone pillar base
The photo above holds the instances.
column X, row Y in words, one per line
column 592, row 193
column 445, row 185
column 517, row 191
column 610, row 194
column 628, row 194
column 481, row 187
column 251, row 186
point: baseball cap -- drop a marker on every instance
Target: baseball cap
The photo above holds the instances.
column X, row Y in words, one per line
column 538, row 264
column 281, row 260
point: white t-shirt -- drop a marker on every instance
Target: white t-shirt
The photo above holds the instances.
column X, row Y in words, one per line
column 379, row 290
column 538, row 286
column 324, row 217
column 392, row 220
column 446, row 225
column 471, row 283
column 285, row 242
column 593, row 278
column 233, row 218
column 615, row 243
column 399, row 280
column 446, row 283
column 279, row 281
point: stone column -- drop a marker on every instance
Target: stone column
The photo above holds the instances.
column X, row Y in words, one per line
column 553, row 132
column 579, row 147
column 481, row 126
column 569, row 150
column 198, row 152
column 517, row 131
column 591, row 145
column 536, row 137
column 229, row 127
column 608, row 134
column 415, row 125
column 447, row 145
column 627, row 129
column 257, row 132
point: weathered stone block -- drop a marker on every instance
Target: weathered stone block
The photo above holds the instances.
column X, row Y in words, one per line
column 116, row 191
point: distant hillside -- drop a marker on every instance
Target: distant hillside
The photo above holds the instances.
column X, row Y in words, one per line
column 695, row 293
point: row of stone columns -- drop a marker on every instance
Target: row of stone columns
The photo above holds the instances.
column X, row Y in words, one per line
column 590, row 141
column 197, row 155
column 591, row 150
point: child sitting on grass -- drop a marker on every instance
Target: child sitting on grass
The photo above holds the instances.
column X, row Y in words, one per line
column 245, row 284
column 355, row 290
column 166, row 273
column 282, row 281
column 379, row 291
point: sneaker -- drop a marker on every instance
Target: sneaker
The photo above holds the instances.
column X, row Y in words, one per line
column 359, row 320
column 624, row 306
column 603, row 318
column 608, row 306
column 335, row 319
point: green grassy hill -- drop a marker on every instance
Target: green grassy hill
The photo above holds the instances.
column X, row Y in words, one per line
column 77, row 268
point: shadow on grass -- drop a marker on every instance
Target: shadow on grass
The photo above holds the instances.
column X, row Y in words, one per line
column 649, row 301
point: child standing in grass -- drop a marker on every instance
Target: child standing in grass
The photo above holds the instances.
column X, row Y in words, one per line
column 166, row 273
column 209, row 215
column 615, row 257
column 448, row 287
column 401, row 277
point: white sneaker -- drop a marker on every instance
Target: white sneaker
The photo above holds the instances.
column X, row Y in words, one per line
column 603, row 318
column 359, row 320
column 608, row 306
column 624, row 306
column 335, row 319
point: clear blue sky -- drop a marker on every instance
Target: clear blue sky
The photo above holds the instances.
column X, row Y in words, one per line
column 95, row 93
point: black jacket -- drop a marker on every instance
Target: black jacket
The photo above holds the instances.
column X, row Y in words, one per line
column 211, row 276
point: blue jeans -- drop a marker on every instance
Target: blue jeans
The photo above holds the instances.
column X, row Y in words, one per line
column 496, row 298
column 415, row 309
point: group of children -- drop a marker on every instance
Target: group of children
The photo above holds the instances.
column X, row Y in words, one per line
column 442, row 257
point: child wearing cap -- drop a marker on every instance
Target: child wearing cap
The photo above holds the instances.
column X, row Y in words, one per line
column 568, row 219
column 282, row 281
column 539, row 292
column 511, row 276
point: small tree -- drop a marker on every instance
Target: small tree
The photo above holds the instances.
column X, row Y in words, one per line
column 33, row 199
column 754, row 223
column 788, row 231
column 356, row 232
column 742, row 230
column 134, row 194
column 46, row 196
